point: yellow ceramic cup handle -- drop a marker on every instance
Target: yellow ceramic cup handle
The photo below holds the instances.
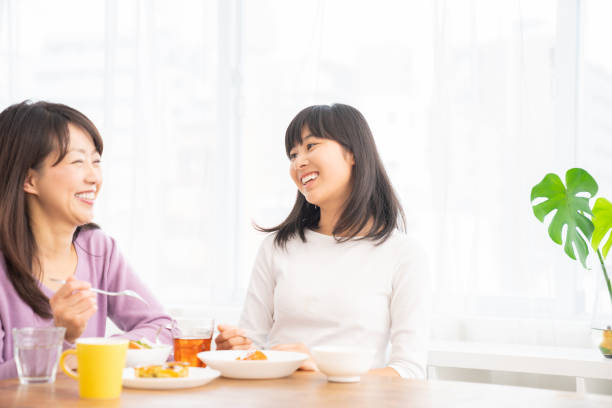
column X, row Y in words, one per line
column 70, row 373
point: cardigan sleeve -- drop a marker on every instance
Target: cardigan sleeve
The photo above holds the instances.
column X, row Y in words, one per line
column 8, row 369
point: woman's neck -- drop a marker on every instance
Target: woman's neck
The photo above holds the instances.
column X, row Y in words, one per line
column 329, row 219
column 53, row 240
column 327, row 222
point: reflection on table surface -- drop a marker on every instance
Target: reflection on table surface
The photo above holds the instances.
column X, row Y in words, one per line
column 305, row 389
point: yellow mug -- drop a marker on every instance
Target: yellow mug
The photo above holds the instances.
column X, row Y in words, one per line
column 100, row 366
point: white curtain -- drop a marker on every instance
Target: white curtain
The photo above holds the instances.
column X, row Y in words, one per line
column 471, row 104
column 510, row 105
column 171, row 124
column 160, row 80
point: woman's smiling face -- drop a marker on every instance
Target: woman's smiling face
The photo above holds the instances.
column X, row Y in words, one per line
column 321, row 169
column 66, row 192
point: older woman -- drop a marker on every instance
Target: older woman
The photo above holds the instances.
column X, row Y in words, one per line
column 50, row 252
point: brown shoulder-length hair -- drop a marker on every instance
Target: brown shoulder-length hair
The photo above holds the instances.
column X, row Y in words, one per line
column 372, row 197
column 29, row 132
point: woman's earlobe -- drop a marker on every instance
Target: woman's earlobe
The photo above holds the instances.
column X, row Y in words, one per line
column 29, row 185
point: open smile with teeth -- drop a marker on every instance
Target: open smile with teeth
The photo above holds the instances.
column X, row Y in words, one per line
column 88, row 196
column 309, row 177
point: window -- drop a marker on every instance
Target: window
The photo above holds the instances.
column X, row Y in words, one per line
column 471, row 104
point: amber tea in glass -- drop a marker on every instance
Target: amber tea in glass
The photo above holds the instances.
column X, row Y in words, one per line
column 192, row 337
column 186, row 349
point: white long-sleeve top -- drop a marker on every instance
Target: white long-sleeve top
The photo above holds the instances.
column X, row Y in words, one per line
column 355, row 293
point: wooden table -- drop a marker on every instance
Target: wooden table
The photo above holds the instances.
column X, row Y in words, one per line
column 305, row 390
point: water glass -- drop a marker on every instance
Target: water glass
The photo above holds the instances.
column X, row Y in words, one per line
column 37, row 351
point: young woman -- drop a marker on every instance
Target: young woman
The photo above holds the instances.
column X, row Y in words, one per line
column 338, row 271
column 50, row 179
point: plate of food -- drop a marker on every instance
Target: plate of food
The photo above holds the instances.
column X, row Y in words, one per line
column 257, row 364
column 171, row 375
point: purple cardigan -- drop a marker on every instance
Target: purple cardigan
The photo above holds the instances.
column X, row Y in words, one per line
column 101, row 264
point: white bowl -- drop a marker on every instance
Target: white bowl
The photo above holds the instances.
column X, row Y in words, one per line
column 343, row 364
column 279, row 363
column 153, row 356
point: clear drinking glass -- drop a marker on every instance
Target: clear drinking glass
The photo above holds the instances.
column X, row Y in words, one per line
column 192, row 336
column 37, row 351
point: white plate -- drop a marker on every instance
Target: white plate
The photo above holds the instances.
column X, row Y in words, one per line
column 279, row 363
column 197, row 376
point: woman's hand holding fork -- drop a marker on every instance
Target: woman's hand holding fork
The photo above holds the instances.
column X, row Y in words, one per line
column 72, row 306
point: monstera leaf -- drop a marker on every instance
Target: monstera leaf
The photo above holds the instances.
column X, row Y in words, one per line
column 571, row 209
column 602, row 220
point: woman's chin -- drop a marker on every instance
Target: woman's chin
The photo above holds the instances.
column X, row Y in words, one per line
column 84, row 219
column 311, row 199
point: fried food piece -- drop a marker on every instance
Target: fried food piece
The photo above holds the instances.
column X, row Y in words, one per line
column 173, row 369
column 137, row 344
column 256, row 355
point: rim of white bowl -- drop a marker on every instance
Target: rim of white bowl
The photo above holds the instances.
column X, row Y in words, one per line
column 342, row 349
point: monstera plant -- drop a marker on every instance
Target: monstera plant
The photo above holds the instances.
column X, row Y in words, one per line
column 584, row 225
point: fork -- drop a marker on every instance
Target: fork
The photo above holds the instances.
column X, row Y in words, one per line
column 127, row 292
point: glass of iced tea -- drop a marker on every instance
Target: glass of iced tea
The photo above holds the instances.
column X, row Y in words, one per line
column 192, row 336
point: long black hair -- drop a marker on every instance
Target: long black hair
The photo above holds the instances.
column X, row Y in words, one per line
column 372, row 198
column 29, row 132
